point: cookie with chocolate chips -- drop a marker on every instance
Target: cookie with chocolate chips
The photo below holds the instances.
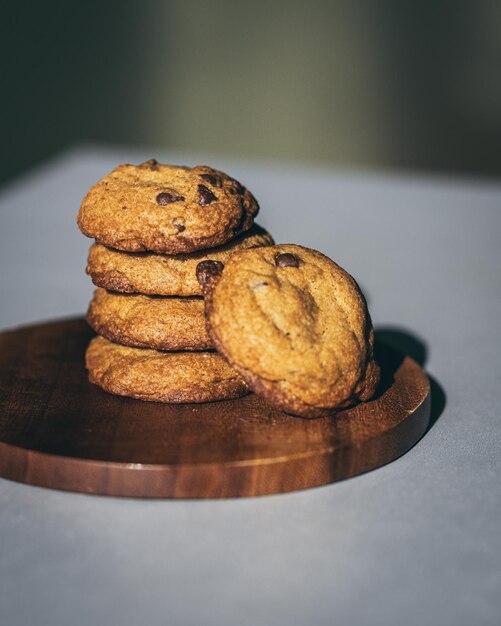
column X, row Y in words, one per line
column 161, row 376
column 149, row 322
column 295, row 325
column 166, row 208
column 161, row 274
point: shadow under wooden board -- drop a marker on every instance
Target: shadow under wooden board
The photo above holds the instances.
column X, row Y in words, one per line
column 59, row 431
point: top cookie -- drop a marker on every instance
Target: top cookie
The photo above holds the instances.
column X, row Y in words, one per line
column 294, row 325
column 166, row 208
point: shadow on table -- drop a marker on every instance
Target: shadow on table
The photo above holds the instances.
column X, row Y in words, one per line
column 409, row 344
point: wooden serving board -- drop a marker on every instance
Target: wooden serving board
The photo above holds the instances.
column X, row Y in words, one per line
column 57, row 430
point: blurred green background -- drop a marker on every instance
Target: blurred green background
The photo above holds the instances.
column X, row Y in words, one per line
column 358, row 84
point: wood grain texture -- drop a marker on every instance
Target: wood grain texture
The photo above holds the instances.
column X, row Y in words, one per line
column 57, row 430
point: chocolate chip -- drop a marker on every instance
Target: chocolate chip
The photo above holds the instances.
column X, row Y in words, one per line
column 287, row 260
column 205, row 196
column 212, row 179
column 207, row 271
column 167, row 197
column 152, row 164
column 179, row 224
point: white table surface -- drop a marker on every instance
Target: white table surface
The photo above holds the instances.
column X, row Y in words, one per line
column 415, row 542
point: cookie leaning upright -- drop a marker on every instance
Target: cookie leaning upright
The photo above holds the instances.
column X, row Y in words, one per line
column 295, row 326
column 166, row 209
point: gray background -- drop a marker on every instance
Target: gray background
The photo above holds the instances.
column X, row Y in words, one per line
column 415, row 542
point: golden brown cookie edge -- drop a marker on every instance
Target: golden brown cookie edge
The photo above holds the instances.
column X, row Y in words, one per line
column 170, row 343
column 116, row 280
column 231, row 388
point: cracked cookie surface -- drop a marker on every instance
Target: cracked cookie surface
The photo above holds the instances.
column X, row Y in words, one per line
column 160, row 274
column 149, row 322
column 165, row 208
column 161, row 376
column 295, row 325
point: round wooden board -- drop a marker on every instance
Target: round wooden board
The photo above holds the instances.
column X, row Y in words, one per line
column 57, row 430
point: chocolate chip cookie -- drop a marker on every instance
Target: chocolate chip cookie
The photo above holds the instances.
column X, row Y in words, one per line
column 160, row 274
column 295, row 325
column 161, row 376
column 149, row 322
column 166, row 208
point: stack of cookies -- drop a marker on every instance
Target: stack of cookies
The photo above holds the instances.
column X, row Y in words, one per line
column 286, row 321
column 153, row 225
